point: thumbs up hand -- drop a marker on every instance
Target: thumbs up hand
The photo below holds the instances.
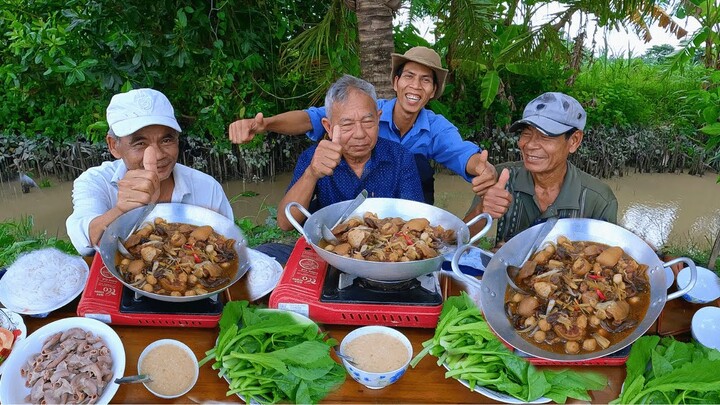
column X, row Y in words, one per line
column 327, row 156
column 243, row 131
column 140, row 186
column 497, row 199
column 485, row 175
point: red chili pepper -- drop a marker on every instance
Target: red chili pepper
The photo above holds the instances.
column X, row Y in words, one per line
column 600, row 294
column 594, row 276
column 188, row 246
column 408, row 240
column 197, row 258
column 16, row 333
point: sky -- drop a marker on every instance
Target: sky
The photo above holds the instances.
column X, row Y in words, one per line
column 619, row 42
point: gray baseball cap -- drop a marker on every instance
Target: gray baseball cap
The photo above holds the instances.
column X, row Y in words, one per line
column 553, row 114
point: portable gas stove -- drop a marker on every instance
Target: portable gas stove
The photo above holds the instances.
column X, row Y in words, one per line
column 106, row 299
column 311, row 287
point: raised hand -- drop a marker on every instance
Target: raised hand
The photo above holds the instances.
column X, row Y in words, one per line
column 327, row 156
column 140, row 186
column 497, row 199
column 486, row 175
column 243, row 131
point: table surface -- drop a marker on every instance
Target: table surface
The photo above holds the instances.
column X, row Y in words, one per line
column 425, row 383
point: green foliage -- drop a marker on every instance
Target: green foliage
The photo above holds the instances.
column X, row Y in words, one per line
column 267, row 232
column 18, row 237
column 215, row 61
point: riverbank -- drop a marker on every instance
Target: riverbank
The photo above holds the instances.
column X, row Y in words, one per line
column 663, row 208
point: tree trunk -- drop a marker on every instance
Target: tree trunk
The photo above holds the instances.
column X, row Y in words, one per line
column 375, row 39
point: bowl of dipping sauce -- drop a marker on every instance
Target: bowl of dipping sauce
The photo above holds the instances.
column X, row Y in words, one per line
column 706, row 289
column 171, row 365
column 381, row 355
column 705, row 327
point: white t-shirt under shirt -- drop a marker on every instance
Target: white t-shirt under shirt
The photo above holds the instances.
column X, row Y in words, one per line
column 95, row 193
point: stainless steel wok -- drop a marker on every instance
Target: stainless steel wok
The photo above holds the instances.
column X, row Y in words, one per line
column 383, row 208
column 494, row 282
column 173, row 212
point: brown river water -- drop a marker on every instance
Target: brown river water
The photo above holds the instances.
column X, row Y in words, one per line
column 662, row 208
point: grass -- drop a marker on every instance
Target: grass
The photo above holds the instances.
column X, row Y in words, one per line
column 268, row 232
column 18, row 237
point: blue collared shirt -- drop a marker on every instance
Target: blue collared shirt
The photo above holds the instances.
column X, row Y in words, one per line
column 432, row 136
column 390, row 172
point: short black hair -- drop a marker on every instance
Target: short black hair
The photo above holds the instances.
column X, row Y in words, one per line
column 399, row 72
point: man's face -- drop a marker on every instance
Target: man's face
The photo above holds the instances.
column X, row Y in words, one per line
column 131, row 148
column 358, row 120
column 545, row 154
column 415, row 87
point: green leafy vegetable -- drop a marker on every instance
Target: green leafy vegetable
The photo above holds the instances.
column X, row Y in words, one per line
column 464, row 342
column 667, row 371
column 270, row 356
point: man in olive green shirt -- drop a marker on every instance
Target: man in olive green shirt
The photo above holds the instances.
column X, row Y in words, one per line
column 545, row 184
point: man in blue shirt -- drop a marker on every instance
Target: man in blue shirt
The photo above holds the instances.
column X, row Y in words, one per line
column 353, row 158
column 417, row 77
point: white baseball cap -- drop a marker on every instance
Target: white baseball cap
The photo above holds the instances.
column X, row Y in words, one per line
column 136, row 109
column 552, row 113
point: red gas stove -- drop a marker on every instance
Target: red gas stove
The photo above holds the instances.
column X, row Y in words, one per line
column 106, row 299
column 311, row 287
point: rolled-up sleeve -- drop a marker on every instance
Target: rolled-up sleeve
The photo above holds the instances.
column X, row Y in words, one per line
column 316, row 115
column 90, row 199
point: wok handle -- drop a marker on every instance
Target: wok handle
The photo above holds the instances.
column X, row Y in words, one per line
column 292, row 220
column 693, row 276
column 483, row 231
column 456, row 269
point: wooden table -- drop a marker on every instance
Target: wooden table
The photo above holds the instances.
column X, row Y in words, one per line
column 424, row 384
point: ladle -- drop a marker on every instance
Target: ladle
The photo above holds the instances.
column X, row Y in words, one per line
column 327, row 233
column 513, row 268
column 120, row 242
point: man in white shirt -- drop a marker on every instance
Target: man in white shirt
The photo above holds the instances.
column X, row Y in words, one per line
column 144, row 138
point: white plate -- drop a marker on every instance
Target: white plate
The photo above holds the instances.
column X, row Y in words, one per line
column 260, row 280
column 16, row 323
column 669, row 277
column 500, row 397
column 43, row 281
column 12, row 384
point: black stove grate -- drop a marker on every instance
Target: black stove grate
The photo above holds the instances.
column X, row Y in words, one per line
column 363, row 291
column 129, row 304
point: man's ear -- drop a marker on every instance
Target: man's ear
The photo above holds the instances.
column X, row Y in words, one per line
column 395, row 80
column 575, row 141
column 112, row 146
column 326, row 125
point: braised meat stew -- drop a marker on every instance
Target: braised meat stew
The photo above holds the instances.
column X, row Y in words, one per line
column 578, row 297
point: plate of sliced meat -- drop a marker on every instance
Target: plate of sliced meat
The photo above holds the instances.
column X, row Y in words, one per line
column 78, row 357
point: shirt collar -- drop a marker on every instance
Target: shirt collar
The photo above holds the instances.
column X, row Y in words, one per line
column 569, row 197
column 422, row 122
column 119, row 173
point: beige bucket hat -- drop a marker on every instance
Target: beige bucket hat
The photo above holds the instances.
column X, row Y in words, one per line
column 426, row 57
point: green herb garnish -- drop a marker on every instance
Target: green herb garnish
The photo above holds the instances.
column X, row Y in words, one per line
column 466, row 344
column 670, row 372
column 270, row 357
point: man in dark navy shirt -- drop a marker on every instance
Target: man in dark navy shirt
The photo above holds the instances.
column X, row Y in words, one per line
column 353, row 158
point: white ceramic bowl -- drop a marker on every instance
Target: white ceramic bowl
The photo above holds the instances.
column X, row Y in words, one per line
column 180, row 345
column 11, row 320
column 376, row 380
column 705, row 327
column 706, row 289
column 12, row 384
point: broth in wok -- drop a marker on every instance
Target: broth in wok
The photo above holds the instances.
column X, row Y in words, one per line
column 389, row 239
column 579, row 297
column 178, row 259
